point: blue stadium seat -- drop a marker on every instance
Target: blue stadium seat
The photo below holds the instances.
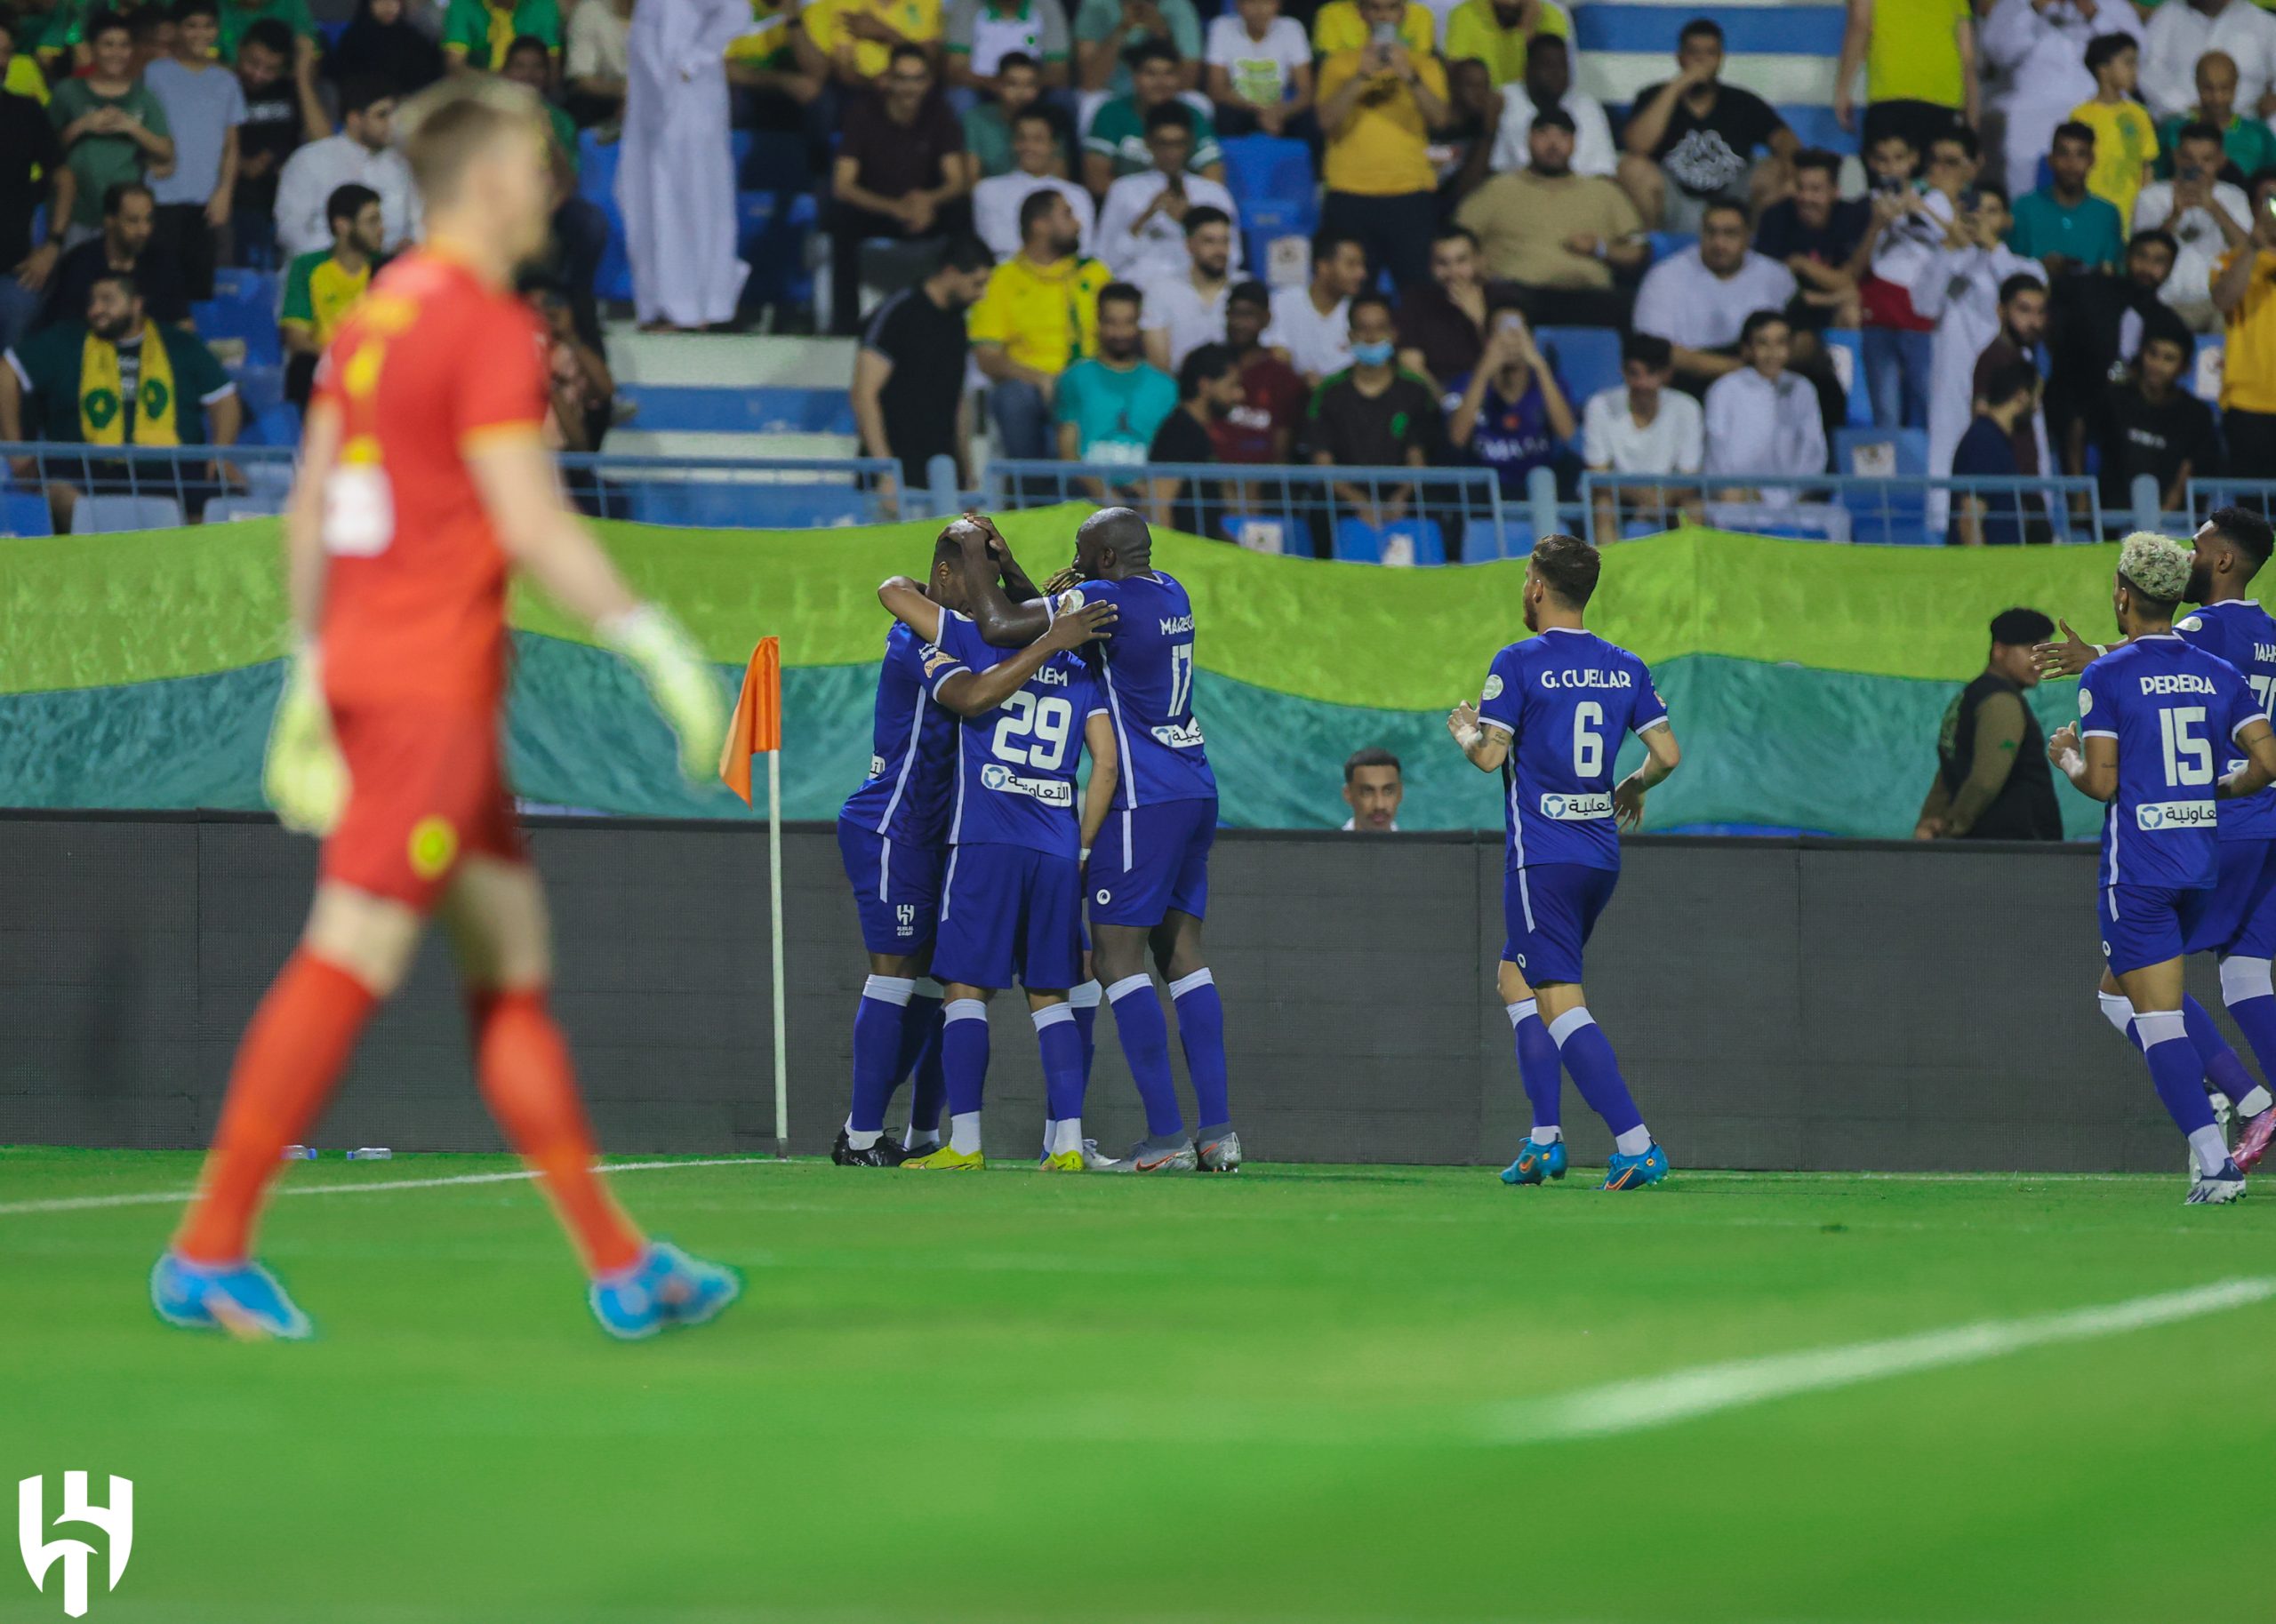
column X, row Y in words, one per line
column 95, row 515
column 1883, row 452
column 260, row 387
column 278, row 424
column 24, row 513
column 1667, row 244
column 1270, row 533
column 1747, row 30
column 726, row 506
column 765, row 409
column 1816, row 126
column 230, row 509
column 1418, row 539
column 597, row 162
column 771, row 233
column 1272, row 181
column 244, row 306
column 1586, row 360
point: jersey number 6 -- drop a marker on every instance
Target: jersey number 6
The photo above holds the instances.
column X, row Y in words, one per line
column 1588, row 739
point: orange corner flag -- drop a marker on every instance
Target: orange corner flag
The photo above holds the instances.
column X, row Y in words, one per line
column 757, row 726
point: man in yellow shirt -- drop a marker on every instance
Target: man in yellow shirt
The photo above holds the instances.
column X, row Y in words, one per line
column 1378, row 106
column 1497, row 32
column 1919, row 62
column 1341, row 26
column 2244, row 291
column 853, row 40
column 2126, row 137
column 323, row 284
column 1040, row 314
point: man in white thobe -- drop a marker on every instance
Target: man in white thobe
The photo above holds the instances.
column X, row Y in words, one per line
column 2039, row 52
column 676, row 181
column 1958, row 288
column 2180, row 34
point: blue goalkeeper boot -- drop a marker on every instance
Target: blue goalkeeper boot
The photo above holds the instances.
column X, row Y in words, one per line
column 242, row 1298
column 665, row 1288
column 1536, row 1164
column 1633, row 1173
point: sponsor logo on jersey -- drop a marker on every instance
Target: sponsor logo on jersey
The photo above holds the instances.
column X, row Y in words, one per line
column 2178, row 681
column 935, row 658
column 2195, row 623
column 1050, row 791
column 1575, row 808
column 876, row 766
column 1587, row 678
column 1103, row 898
column 2179, row 816
column 2085, row 700
column 1186, row 738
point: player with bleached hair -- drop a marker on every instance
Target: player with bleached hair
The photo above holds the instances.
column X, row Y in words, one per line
column 2152, row 715
column 1551, row 718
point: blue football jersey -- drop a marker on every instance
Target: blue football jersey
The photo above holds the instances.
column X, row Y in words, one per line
column 1147, row 675
column 1565, row 699
column 2244, row 634
column 913, row 741
column 2173, row 710
column 1015, row 765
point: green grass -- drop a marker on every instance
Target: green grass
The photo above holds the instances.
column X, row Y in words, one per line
column 1262, row 1399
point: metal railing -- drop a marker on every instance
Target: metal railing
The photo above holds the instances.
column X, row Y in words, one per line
column 2204, row 495
column 1897, row 510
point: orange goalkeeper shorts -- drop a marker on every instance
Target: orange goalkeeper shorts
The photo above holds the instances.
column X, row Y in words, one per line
column 426, row 785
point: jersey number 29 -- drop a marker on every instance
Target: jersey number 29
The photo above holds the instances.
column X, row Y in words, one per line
column 1046, row 722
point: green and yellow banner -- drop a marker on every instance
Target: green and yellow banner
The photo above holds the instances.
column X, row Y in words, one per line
column 1806, row 679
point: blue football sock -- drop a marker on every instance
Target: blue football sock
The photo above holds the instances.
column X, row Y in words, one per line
column 2245, row 988
column 1537, row 1063
column 1587, row 1053
column 2176, row 1068
column 964, row 1053
column 1084, row 1001
column 929, row 1092
column 877, row 1022
column 1061, row 1044
column 1145, row 1039
column 2222, row 1069
column 1201, row 1030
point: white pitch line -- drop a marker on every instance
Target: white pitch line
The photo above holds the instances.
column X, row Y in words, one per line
column 151, row 1198
column 1708, row 1389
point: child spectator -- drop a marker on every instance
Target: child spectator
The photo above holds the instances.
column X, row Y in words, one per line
column 1763, row 419
column 2126, row 138
column 111, row 128
column 205, row 108
column 1260, row 69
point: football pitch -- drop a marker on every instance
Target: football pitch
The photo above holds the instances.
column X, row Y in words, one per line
column 1341, row 1393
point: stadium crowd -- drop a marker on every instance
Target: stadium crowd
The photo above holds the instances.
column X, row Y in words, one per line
column 2056, row 202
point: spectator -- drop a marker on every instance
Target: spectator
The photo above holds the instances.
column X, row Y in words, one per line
column 1186, row 309
column 282, row 112
column 773, row 85
column 1548, row 83
column 1208, row 388
column 363, row 154
column 112, row 379
column 1259, row 71
column 909, row 393
column 1761, row 420
column 577, row 230
column 2022, row 338
column 2126, row 140
column 1703, row 135
column 979, row 36
column 320, row 287
column 1039, row 313
column 1376, row 107
column 1260, row 427
column 582, row 391
column 594, row 59
column 2037, row 48
column 1117, row 144
column 2062, row 225
column 1372, row 415
column 1894, row 336
column 153, row 28
column 852, row 41
column 1112, row 36
column 676, row 179
column 1311, row 326
column 383, row 44
column 902, row 173
column 1643, row 427
column 1992, row 781
column 1510, row 415
column 988, row 125
column 1141, row 227
column 205, row 108
column 2205, row 217
column 127, row 244
column 1960, row 287
column 1108, row 404
column 32, row 169
column 1345, row 25
column 1373, row 788
column 997, row 203
column 1442, row 322
column 111, row 129
column 1499, row 33
column 2178, row 37
column 2006, row 400
column 2149, row 424
column 1816, row 234
column 478, row 34
column 1462, row 143
column 2102, row 331
column 239, row 18
column 1699, row 300
column 2244, row 291
column 2247, row 144
column 1919, row 62
column 1558, row 236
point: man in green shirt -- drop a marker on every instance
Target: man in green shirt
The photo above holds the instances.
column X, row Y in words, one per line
column 2063, row 226
column 1115, row 145
column 2246, row 142
column 988, row 125
column 111, row 128
column 476, row 34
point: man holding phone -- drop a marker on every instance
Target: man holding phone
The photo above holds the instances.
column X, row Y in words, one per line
column 2206, row 217
column 2244, row 291
column 1377, row 107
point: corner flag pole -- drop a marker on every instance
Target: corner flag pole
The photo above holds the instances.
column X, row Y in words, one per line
column 756, row 729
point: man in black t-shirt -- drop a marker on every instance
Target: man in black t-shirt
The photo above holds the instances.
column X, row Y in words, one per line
column 2148, row 424
column 127, row 244
column 32, row 169
column 1815, row 233
column 1691, row 140
column 909, row 397
column 276, row 122
column 1208, row 386
column 1372, row 415
column 901, row 172
column 2094, row 333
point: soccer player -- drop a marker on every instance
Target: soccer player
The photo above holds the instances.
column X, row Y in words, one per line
column 1550, row 719
column 423, row 488
column 1149, row 876
column 1011, row 904
column 2239, row 920
column 2152, row 713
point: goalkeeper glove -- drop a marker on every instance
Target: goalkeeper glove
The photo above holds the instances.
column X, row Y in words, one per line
column 680, row 681
column 304, row 777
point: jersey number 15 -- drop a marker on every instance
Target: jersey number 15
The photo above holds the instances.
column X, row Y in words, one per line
column 2189, row 757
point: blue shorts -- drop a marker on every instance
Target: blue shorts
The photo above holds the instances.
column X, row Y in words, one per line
column 2240, row 912
column 1010, row 913
column 1150, row 860
column 1549, row 910
column 896, row 887
column 2147, row 924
